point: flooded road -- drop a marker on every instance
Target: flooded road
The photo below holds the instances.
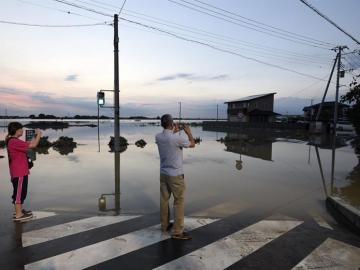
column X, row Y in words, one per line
column 254, row 200
column 227, row 170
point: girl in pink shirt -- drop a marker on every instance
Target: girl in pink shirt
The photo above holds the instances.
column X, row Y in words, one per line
column 18, row 165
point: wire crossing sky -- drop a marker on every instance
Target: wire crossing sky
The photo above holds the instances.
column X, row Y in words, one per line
column 200, row 52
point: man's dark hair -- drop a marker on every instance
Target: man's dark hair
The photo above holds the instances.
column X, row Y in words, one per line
column 13, row 127
column 166, row 121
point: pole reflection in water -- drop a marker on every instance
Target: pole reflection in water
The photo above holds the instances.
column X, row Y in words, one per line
column 321, row 170
column 117, row 182
column 333, row 161
column 102, row 204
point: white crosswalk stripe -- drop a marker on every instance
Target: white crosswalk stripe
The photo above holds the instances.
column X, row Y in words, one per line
column 332, row 254
column 111, row 248
column 70, row 228
column 42, row 214
column 321, row 221
column 234, row 247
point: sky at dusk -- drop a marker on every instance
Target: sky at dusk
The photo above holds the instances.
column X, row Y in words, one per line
column 59, row 70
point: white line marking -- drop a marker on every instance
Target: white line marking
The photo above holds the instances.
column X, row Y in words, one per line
column 42, row 214
column 66, row 229
column 112, row 248
column 321, row 221
column 232, row 248
column 332, row 254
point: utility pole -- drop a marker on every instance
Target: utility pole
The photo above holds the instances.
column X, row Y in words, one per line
column 179, row 114
column 116, row 85
column 217, row 112
column 339, row 48
column 326, row 89
column 98, row 126
column 116, row 115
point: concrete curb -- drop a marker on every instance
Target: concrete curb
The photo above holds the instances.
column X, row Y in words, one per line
column 344, row 213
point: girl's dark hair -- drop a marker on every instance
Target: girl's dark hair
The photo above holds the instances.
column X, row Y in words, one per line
column 13, row 127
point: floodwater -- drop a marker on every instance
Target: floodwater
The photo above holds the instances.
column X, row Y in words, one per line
column 248, row 169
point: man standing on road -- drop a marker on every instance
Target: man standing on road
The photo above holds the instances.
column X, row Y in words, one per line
column 170, row 146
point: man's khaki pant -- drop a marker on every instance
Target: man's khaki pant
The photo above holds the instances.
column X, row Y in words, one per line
column 172, row 185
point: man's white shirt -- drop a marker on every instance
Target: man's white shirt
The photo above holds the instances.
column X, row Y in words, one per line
column 170, row 150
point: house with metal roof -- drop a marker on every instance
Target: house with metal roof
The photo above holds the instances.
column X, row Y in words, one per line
column 327, row 111
column 255, row 108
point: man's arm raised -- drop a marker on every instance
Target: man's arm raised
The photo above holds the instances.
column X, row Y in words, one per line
column 187, row 130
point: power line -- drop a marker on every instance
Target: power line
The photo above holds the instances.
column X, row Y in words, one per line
column 267, row 31
column 252, row 51
column 221, row 37
column 264, row 24
column 222, row 50
column 53, row 25
column 330, row 21
column 186, row 39
column 264, row 47
column 105, row 4
column 122, row 7
column 95, row 5
column 309, row 86
column 83, row 7
column 60, row 10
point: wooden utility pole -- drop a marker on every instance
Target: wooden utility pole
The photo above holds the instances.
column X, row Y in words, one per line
column 116, row 86
column 116, row 115
column 335, row 118
column 326, row 89
column 179, row 115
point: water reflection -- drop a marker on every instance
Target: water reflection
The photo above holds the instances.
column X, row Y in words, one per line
column 123, row 144
column 249, row 145
column 351, row 191
column 64, row 150
column 327, row 141
column 291, row 173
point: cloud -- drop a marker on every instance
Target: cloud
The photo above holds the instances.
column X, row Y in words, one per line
column 193, row 77
column 71, row 78
column 176, row 76
column 26, row 102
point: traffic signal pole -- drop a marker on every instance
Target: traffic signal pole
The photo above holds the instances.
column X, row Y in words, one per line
column 116, row 115
column 116, row 86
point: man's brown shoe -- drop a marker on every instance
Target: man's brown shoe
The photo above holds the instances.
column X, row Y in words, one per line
column 182, row 236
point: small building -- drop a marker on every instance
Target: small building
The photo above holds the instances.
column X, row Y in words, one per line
column 327, row 111
column 256, row 108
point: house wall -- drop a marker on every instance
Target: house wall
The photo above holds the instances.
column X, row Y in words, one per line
column 237, row 111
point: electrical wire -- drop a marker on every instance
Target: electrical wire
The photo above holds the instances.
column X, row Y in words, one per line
column 264, row 24
column 176, row 36
column 253, row 52
column 122, row 7
column 105, row 4
column 309, row 86
column 95, row 5
column 83, row 7
column 54, row 25
column 267, row 31
column 60, row 10
column 222, row 37
column 222, row 50
column 329, row 20
column 310, row 58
